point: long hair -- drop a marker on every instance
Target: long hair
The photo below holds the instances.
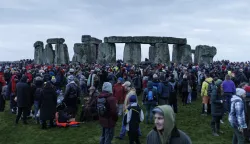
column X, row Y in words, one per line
column 219, row 91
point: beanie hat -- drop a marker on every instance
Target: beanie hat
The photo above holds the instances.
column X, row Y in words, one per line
column 132, row 98
column 218, row 82
column 70, row 78
column 107, row 86
column 120, row 79
column 155, row 76
column 127, row 84
column 240, row 91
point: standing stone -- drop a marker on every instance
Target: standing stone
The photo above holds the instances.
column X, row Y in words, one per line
column 61, row 52
column 159, row 53
column 204, row 54
column 55, row 40
column 49, row 54
column 84, row 53
column 106, row 53
column 132, row 53
column 182, row 54
column 38, row 54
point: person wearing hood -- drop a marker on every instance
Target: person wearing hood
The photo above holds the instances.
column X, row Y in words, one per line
column 204, row 93
column 216, row 107
column 23, row 99
column 184, row 89
column 237, row 116
column 164, row 90
column 108, row 121
column 119, row 93
column 165, row 131
column 150, row 100
column 72, row 93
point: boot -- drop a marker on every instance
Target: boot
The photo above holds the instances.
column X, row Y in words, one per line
column 215, row 133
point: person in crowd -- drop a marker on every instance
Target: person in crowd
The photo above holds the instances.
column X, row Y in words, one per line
column 23, row 99
column 38, row 95
column 216, row 107
column 237, row 116
column 240, row 77
column 164, row 90
column 132, row 119
column 165, row 130
column 173, row 94
column 48, row 102
column 184, row 90
column 229, row 89
column 12, row 92
column 150, row 100
column 119, row 93
column 72, row 93
column 110, row 116
column 205, row 93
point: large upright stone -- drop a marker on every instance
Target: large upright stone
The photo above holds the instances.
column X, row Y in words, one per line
column 49, row 54
column 182, row 54
column 159, row 53
column 84, row 53
column 38, row 54
column 204, row 54
column 132, row 53
column 106, row 53
column 55, row 40
column 61, row 54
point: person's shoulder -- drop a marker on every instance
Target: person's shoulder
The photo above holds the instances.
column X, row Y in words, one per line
column 185, row 139
column 151, row 134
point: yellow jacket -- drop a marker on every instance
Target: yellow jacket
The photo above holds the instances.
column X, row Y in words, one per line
column 205, row 86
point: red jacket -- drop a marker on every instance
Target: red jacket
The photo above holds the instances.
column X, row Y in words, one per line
column 119, row 93
column 110, row 120
column 29, row 75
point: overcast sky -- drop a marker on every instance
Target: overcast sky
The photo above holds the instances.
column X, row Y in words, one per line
column 224, row 24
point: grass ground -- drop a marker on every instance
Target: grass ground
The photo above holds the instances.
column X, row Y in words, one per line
column 188, row 119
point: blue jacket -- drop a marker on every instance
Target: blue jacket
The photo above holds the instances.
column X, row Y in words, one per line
column 164, row 90
column 145, row 94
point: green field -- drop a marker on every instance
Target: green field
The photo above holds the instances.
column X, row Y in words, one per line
column 188, row 119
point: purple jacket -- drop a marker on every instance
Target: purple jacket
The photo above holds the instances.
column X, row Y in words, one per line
column 229, row 86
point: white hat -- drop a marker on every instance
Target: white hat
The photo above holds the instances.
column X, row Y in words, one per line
column 240, row 91
column 71, row 70
column 127, row 84
column 155, row 76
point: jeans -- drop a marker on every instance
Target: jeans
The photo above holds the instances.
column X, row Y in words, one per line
column 238, row 137
column 120, row 109
column 13, row 104
column 149, row 113
column 107, row 135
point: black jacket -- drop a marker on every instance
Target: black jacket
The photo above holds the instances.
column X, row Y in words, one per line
column 48, row 103
column 216, row 105
column 23, row 93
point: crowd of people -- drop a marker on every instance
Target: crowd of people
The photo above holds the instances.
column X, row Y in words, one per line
column 106, row 92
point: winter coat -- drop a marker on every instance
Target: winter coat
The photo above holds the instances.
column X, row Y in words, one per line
column 170, row 134
column 23, row 93
column 184, row 85
column 137, row 82
column 205, row 86
column 48, row 104
column 164, row 90
column 216, row 105
column 72, row 90
column 145, row 94
column 111, row 118
column 119, row 93
column 128, row 95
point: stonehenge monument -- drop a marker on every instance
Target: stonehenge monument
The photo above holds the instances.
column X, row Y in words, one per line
column 49, row 56
column 94, row 50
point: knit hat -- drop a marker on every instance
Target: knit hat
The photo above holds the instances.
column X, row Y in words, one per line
column 127, row 84
column 155, row 76
column 71, row 70
column 132, row 98
column 120, row 79
column 240, row 91
column 38, row 78
column 70, row 78
column 107, row 86
column 218, row 82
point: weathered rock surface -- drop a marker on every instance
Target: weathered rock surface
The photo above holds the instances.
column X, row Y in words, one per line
column 88, row 38
column 49, row 54
column 61, row 54
column 84, row 52
column 182, row 54
column 38, row 54
column 55, row 41
column 159, row 53
column 144, row 39
column 204, row 54
column 106, row 53
column 132, row 53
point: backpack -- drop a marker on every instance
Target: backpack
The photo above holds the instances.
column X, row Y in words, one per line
column 209, row 89
column 150, row 95
column 102, row 106
column 248, row 94
column 173, row 86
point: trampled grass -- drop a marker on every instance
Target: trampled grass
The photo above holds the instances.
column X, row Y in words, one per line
column 188, row 119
